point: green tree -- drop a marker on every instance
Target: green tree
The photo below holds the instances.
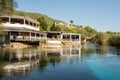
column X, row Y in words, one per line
column 109, row 32
column 55, row 28
column 7, row 6
column 89, row 31
column 74, row 30
column 2, row 32
column 66, row 29
column 71, row 21
column 43, row 24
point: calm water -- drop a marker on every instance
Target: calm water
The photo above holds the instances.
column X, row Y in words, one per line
column 92, row 62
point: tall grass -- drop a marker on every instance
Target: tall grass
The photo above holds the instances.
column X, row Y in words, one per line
column 104, row 38
column 101, row 38
column 114, row 40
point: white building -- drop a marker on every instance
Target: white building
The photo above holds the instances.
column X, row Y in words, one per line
column 20, row 28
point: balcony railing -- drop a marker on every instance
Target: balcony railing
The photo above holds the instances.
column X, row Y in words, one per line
column 18, row 25
column 25, row 38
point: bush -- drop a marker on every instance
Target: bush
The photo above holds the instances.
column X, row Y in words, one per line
column 115, row 40
column 101, row 38
column 44, row 41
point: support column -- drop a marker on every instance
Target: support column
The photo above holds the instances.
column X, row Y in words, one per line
column 24, row 21
column 19, row 34
column 29, row 23
column 36, row 25
column 30, row 35
column 9, row 20
column 35, row 36
column 70, row 38
column 10, row 35
column 32, row 24
column 61, row 36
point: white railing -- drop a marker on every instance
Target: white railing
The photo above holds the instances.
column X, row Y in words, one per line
column 25, row 38
column 18, row 25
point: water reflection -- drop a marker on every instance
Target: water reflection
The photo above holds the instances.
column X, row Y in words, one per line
column 91, row 48
column 20, row 62
column 67, row 63
column 54, row 57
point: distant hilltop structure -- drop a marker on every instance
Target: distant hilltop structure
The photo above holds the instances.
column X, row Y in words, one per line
column 63, row 24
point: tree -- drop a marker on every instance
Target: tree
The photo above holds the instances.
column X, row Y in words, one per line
column 55, row 28
column 7, row 6
column 43, row 24
column 66, row 29
column 2, row 32
column 109, row 32
column 89, row 31
column 74, row 30
column 71, row 21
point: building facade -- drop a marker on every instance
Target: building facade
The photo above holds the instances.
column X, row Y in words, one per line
column 19, row 28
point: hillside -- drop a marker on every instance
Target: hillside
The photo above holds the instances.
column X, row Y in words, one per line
column 35, row 16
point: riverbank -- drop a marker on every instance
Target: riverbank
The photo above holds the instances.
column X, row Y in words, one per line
column 16, row 45
column 107, row 39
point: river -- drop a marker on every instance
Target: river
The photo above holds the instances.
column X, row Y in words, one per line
column 91, row 62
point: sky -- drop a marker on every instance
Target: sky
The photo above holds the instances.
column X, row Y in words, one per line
column 102, row 15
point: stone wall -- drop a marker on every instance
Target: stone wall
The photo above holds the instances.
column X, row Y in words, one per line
column 17, row 45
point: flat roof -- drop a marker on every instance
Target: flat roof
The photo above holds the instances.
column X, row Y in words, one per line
column 21, row 17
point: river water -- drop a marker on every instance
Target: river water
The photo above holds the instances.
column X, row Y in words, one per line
column 91, row 62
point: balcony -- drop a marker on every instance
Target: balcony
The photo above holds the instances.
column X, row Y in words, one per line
column 24, row 38
column 18, row 25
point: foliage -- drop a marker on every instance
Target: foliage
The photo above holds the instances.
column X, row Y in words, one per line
column 1, row 72
column 109, row 32
column 101, row 38
column 71, row 21
column 7, row 6
column 36, row 16
column 43, row 24
column 43, row 41
column 55, row 28
column 114, row 40
column 2, row 32
column 74, row 30
column 43, row 62
column 89, row 31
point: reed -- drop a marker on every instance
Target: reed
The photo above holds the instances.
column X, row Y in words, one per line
column 114, row 40
column 101, row 38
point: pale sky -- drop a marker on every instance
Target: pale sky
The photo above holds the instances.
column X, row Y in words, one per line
column 102, row 15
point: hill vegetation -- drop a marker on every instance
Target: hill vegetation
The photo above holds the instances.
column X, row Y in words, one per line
column 36, row 16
